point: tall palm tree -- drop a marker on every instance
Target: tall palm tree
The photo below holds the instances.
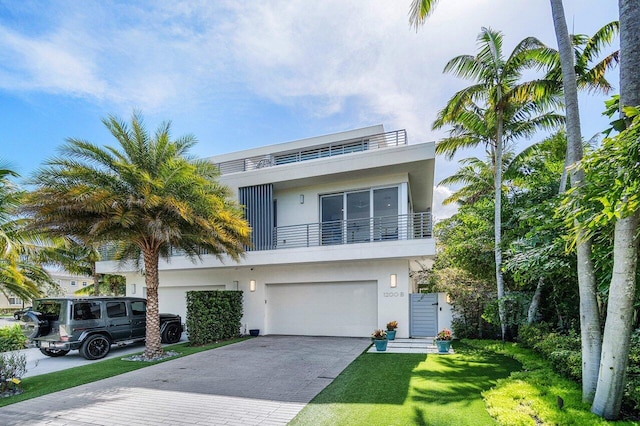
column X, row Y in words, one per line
column 21, row 273
column 497, row 110
column 146, row 195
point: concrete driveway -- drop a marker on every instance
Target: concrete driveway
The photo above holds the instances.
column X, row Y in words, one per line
column 261, row 381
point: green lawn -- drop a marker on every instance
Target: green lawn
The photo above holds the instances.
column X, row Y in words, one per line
column 403, row 389
column 53, row 382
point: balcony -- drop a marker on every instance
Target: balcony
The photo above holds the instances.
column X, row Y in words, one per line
column 372, row 142
column 367, row 230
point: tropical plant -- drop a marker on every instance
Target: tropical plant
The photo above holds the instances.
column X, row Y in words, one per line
column 497, row 110
column 21, row 272
column 146, row 197
column 444, row 334
column 379, row 335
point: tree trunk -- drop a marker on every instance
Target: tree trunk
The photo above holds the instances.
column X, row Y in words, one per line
column 497, row 229
column 589, row 319
column 617, row 332
column 153, row 344
column 96, row 279
column 535, row 302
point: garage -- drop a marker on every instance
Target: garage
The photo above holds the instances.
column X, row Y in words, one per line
column 174, row 299
column 322, row 309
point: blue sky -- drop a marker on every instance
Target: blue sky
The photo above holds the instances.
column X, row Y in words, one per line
column 239, row 75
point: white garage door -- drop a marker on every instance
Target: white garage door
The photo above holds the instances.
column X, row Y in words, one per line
column 322, row 309
column 173, row 300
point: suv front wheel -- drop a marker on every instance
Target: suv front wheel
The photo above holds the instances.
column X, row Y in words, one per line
column 95, row 347
column 172, row 333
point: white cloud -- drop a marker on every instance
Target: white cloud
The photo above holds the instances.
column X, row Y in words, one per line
column 440, row 211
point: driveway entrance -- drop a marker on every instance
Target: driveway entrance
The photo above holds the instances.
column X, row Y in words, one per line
column 264, row 380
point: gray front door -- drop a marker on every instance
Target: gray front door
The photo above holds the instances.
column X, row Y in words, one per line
column 424, row 314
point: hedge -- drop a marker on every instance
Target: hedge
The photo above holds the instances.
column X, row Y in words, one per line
column 12, row 338
column 213, row 315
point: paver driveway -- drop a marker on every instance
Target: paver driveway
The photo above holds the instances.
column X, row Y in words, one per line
column 261, row 381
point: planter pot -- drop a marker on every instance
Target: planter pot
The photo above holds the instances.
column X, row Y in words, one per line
column 391, row 334
column 443, row 346
column 381, row 344
column 254, row 332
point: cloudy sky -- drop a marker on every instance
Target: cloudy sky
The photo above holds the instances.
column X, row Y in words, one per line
column 240, row 74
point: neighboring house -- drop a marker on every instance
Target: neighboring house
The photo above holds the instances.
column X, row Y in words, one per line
column 338, row 222
column 67, row 284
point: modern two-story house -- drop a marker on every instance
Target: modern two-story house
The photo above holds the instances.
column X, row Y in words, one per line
column 338, row 224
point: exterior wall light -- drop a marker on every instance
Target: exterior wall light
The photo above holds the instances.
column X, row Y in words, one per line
column 133, row 289
column 252, row 285
column 393, row 280
column 301, row 198
column 448, row 298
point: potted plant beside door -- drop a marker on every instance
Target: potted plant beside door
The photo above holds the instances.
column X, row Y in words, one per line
column 443, row 341
column 379, row 338
column 391, row 330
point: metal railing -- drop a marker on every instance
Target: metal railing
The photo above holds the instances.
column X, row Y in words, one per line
column 368, row 230
column 382, row 140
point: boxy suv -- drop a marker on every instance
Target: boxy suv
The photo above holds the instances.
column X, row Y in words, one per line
column 92, row 324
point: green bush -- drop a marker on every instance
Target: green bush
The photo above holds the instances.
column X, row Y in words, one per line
column 213, row 315
column 12, row 366
column 12, row 339
column 565, row 353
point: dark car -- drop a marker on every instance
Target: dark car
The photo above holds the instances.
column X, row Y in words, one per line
column 18, row 314
column 92, row 324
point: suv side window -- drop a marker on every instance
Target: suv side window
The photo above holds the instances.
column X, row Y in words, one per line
column 86, row 310
column 116, row 309
column 138, row 308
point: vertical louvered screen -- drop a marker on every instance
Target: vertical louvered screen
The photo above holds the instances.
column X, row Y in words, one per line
column 258, row 203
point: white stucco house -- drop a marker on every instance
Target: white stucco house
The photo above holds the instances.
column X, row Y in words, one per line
column 338, row 223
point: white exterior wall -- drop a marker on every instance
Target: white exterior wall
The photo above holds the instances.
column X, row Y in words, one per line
column 392, row 303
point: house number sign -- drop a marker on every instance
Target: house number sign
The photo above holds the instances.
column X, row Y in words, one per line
column 394, row 294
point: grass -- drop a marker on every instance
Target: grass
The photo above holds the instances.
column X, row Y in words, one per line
column 53, row 382
column 401, row 389
column 530, row 396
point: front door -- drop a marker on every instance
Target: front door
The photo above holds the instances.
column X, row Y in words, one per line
column 424, row 315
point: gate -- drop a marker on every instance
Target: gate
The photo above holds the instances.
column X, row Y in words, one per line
column 424, row 314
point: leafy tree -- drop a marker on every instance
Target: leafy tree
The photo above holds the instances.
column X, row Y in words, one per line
column 146, row 195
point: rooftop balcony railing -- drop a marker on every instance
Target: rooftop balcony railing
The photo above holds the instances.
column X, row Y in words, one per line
column 366, row 230
column 382, row 140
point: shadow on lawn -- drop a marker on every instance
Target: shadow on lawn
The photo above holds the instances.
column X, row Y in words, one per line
column 385, row 377
column 458, row 379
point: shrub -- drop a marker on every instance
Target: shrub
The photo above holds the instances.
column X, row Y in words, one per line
column 213, row 315
column 12, row 366
column 631, row 400
column 12, row 339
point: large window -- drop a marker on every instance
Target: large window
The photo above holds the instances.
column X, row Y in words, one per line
column 360, row 216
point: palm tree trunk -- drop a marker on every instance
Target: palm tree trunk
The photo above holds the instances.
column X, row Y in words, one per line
column 96, row 279
column 498, row 226
column 589, row 315
column 617, row 332
column 153, row 344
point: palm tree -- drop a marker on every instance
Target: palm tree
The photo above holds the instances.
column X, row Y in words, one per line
column 497, row 110
column 146, row 196
column 21, row 273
